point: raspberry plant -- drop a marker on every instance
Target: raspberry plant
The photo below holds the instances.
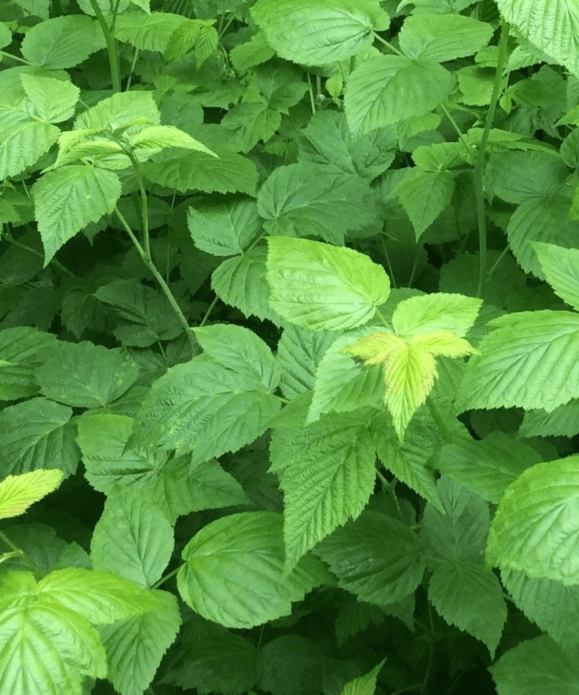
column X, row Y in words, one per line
column 289, row 347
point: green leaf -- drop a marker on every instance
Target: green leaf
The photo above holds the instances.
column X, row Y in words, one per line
column 147, row 32
column 68, row 199
column 62, row 42
column 561, row 268
column 136, row 645
column 374, row 88
column 299, row 353
column 365, row 685
column 527, row 362
column 100, row 597
column 231, row 173
column 158, row 137
column 458, row 533
column 376, row 558
column 535, row 528
column 548, row 603
column 203, row 407
column 341, row 384
column 252, row 121
column 561, row 422
column 424, row 196
column 214, row 660
column 22, row 350
column 407, row 460
column 119, row 112
column 326, row 140
column 226, row 229
column 84, row 375
column 18, row 492
column 5, row 36
column 292, row 664
column 552, row 26
column 241, row 282
column 147, row 315
column 54, row 100
column 132, row 538
column 37, row 433
column 247, row 55
column 321, row 287
column 241, row 350
column 48, row 650
column 234, row 571
column 534, row 666
column 319, row 32
column 486, row 467
column 443, row 37
column 326, row 471
column 309, row 200
column 471, row 597
column 520, row 176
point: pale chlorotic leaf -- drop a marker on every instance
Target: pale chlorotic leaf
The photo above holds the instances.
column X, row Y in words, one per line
column 550, row 604
column 48, row 650
column 159, row 137
column 424, row 196
column 307, row 199
column 488, row 466
column 233, row 571
column 535, row 667
column 364, row 685
column 37, row 433
column 54, row 100
column 100, row 597
column 388, row 89
column 205, row 408
column 18, row 492
column 62, row 42
column 458, row 532
column 535, row 528
column 319, row 32
column 341, row 384
column 84, row 375
column 327, row 474
column 68, row 199
column 527, row 362
column 376, row 558
column 135, row 646
column 322, row 287
column 241, row 350
column 120, row 111
column 470, row 596
column 561, row 268
column 443, row 37
column 435, row 312
column 226, row 229
column 133, row 538
column 552, row 26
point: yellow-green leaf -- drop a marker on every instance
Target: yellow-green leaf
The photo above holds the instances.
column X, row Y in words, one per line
column 18, row 492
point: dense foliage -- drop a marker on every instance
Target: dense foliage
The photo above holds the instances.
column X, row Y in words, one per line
column 289, row 347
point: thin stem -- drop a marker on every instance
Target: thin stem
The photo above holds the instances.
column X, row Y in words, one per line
column 383, row 321
column 439, row 421
column 480, row 162
column 311, row 91
column 389, row 46
column 23, row 556
column 409, row 689
column 414, row 268
column 111, row 46
column 165, row 578
column 159, row 278
column 454, row 124
column 385, row 484
column 388, row 262
column 424, row 688
column 208, row 312
column 496, row 263
column 133, row 63
column 144, row 206
column 16, row 58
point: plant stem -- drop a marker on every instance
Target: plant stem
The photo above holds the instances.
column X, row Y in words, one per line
column 111, row 46
column 424, row 688
column 311, row 91
column 459, row 132
column 480, row 161
column 388, row 262
column 165, row 578
column 208, row 312
column 439, row 421
column 16, row 58
column 389, row 46
column 57, row 264
column 144, row 205
column 23, row 556
column 147, row 260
